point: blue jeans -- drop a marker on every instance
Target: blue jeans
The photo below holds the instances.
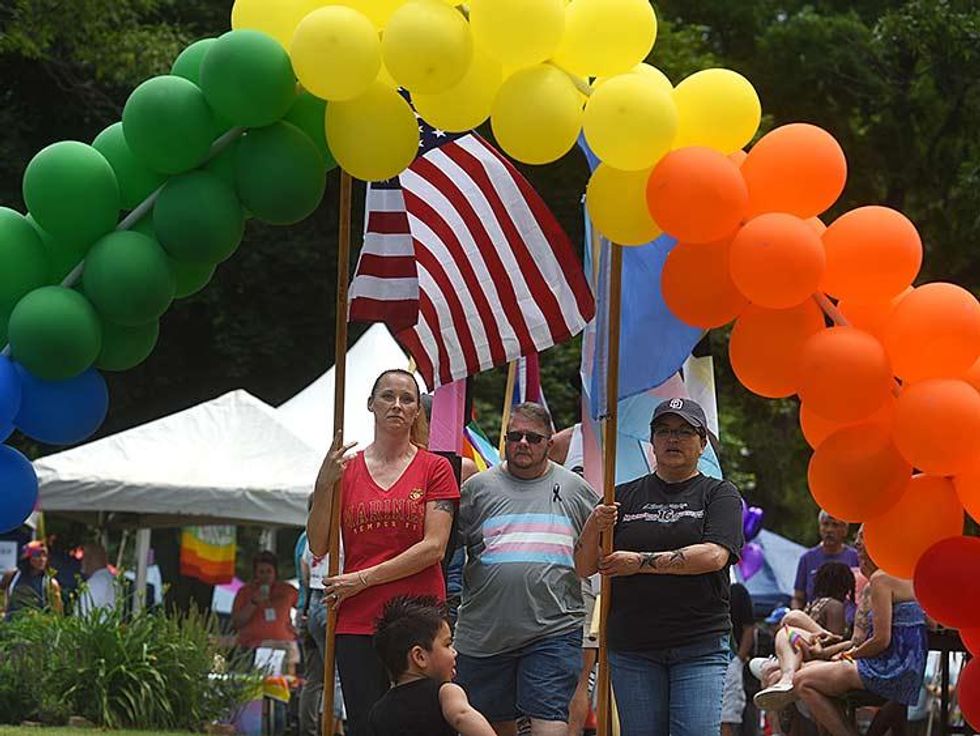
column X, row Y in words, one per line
column 675, row 692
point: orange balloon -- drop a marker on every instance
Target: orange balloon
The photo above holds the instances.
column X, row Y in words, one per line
column 858, row 473
column 697, row 286
column 934, row 332
column 873, row 254
column 777, row 260
column 968, row 489
column 927, row 511
column 738, row 157
column 766, row 346
column 972, row 375
column 937, row 425
column 817, row 428
column 797, row 168
column 845, row 374
column 697, row 195
column 817, row 224
column 871, row 316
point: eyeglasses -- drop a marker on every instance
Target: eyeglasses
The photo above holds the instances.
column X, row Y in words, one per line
column 683, row 433
column 532, row 438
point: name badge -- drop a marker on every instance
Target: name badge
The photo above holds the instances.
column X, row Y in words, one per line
column 270, row 615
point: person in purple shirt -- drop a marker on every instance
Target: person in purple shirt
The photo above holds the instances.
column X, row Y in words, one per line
column 833, row 532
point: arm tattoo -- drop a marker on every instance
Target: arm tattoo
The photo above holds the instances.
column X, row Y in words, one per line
column 445, row 505
column 663, row 560
column 649, row 559
column 676, row 559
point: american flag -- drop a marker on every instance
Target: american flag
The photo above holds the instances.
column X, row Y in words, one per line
column 465, row 263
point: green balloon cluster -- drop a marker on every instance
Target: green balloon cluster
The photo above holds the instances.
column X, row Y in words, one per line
column 125, row 347
column 128, row 278
column 279, row 174
column 169, row 125
column 247, row 77
column 23, row 264
column 72, row 192
column 308, row 113
column 188, row 62
column 189, row 277
column 55, row 333
column 62, row 254
column 136, row 180
column 198, row 218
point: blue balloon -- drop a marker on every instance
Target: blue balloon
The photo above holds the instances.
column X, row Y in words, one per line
column 9, row 393
column 5, row 431
column 18, row 488
column 62, row 412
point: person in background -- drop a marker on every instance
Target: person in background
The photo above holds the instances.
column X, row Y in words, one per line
column 415, row 643
column 261, row 611
column 833, row 532
column 99, row 590
column 519, row 631
column 743, row 640
column 454, row 572
column 397, row 506
column 33, row 585
column 669, row 629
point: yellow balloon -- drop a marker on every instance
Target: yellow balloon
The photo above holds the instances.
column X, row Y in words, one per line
column 719, row 109
column 336, row 53
column 379, row 11
column 617, row 203
column 518, row 33
column 537, row 114
column 629, row 122
column 649, row 73
column 466, row 105
column 606, row 37
column 278, row 18
column 374, row 136
column 427, row 46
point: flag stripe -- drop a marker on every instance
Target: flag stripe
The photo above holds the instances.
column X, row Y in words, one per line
column 451, row 305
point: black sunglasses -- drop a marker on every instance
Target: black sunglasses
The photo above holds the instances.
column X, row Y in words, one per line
column 532, row 438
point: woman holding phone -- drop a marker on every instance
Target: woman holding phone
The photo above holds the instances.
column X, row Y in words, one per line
column 260, row 613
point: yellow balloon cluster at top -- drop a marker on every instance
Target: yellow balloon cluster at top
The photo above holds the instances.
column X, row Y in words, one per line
column 542, row 71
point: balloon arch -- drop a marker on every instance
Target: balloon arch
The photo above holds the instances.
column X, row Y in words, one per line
column 888, row 373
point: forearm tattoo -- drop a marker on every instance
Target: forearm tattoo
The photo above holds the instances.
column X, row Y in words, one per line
column 663, row 560
column 445, row 505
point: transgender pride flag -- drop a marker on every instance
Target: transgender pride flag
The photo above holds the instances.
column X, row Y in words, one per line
column 523, row 538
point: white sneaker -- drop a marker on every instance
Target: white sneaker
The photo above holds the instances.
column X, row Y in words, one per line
column 775, row 697
column 758, row 664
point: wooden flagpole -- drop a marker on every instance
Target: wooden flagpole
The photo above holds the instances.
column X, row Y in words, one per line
column 340, row 375
column 508, row 400
column 609, row 433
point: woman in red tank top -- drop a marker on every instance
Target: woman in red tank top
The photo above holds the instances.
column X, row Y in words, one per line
column 398, row 502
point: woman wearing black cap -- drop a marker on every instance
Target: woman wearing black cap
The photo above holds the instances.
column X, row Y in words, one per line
column 675, row 535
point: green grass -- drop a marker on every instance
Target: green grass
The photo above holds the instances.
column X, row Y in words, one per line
column 65, row 731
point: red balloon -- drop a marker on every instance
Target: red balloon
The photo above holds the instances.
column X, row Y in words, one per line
column 857, row 473
column 697, row 195
column 937, row 425
column 766, row 345
column 927, row 512
column 947, row 585
column 968, row 693
column 845, row 374
column 777, row 260
column 696, row 284
column 971, row 640
column 934, row 332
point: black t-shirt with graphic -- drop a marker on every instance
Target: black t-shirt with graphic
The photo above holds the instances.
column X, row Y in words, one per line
column 657, row 611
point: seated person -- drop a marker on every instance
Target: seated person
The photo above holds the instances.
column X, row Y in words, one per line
column 261, row 611
column 415, row 643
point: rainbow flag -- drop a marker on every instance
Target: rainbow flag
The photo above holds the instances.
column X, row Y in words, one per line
column 478, row 448
column 208, row 553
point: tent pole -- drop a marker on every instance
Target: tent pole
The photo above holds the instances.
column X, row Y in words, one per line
column 610, row 430
column 340, row 375
column 142, row 562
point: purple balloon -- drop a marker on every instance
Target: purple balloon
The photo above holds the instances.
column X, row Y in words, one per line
column 752, row 560
column 752, row 522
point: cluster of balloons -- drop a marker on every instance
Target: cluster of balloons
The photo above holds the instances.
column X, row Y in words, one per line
column 753, row 557
column 524, row 64
column 227, row 135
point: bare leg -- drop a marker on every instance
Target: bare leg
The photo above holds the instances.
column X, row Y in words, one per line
column 818, row 683
column 790, row 660
column 548, row 728
column 578, row 709
column 799, row 620
column 505, row 728
column 891, row 718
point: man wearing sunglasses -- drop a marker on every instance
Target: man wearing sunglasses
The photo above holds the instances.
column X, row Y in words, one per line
column 519, row 633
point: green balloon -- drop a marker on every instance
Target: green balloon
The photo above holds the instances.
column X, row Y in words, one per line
column 188, row 62
column 23, row 263
column 223, row 165
column 72, row 192
column 191, row 277
column 168, row 124
column 198, row 218
column 55, row 333
column 280, row 174
column 62, row 254
column 136, row 181
column 128, row 278
column 125, row 347
column 308, row 113
column 248, row 78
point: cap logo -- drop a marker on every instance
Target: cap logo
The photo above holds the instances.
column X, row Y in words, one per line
column 676, row 404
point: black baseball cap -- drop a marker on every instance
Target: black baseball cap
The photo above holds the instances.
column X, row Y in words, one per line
column 687, row 409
